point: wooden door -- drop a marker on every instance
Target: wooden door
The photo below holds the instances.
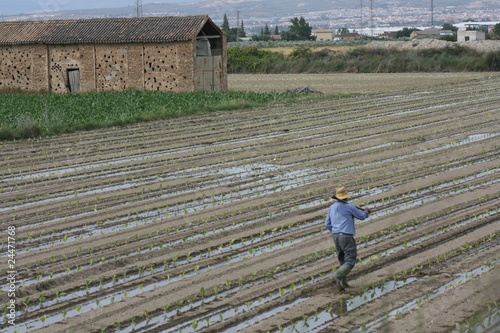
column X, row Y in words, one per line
column 74, row 80
column 208, row 73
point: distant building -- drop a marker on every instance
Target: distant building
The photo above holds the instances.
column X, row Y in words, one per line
column 179, row 54
column 470, row 35
column 347, row 36
column 446, row 32
column 388, row 35
column 322, row 34
column 429, row 32
column 485, row 26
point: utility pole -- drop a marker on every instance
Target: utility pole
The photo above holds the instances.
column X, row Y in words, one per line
column 371, row 16
column 138, row 8
column 432, row 13
column 361, row 18
column 238, row 27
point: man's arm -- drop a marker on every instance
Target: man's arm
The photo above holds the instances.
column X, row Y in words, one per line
column 328, row 222
column 359, row 214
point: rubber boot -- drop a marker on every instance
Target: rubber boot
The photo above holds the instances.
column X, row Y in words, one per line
column 340, row 276
column 346, row 272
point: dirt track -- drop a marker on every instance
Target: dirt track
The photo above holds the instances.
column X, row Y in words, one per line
column 215, row 224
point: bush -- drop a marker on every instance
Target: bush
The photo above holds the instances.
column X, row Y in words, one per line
column 250, row 59
column 7, row 133
column 28, row 127
column 492, row 61
column 457, row 50
column 449, row 38
column 300, row 52
column 361, row 60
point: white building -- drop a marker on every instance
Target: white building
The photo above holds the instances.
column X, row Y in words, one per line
column 322, row 34
column 477, row 25
column 469, row 35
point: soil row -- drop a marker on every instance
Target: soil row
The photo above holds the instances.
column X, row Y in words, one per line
column 216, row 223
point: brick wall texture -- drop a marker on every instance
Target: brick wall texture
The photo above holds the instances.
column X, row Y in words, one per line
column 103, row 67
column 115, row 54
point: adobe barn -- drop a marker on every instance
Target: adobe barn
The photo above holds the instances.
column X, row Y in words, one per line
column 178, row 54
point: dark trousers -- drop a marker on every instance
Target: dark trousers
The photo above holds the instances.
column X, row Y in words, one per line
column 345, row 246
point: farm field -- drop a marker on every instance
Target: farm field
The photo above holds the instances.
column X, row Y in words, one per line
column 345, row 83
column 216, row 223
column 288, row 50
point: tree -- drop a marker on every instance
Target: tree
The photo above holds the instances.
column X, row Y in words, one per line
column 406, row 32
column 276, row 31
column 451, row 38
column 449, row 26
column 266, row 30
column 496, row 30
column 226, row 28
column 299, row 30
column 232, row 33
column 261, row 37
column 342, row 31
column 242, row 30
column 225, row 25
column 265, row 34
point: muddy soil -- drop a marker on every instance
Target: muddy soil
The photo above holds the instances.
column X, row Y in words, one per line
column 216, row 223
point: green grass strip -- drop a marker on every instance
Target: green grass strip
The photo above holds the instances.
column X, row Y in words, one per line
column 25, row 115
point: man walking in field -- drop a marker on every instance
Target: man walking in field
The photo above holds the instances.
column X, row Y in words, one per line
column 340, row 222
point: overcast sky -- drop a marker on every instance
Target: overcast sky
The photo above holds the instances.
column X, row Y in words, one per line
column 12, row 7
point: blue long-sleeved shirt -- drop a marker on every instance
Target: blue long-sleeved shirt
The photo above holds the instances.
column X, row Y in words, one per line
column 340, row 218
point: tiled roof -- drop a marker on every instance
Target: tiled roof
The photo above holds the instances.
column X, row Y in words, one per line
column 114, row 30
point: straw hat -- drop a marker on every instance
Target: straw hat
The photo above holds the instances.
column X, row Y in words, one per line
column 342, row 193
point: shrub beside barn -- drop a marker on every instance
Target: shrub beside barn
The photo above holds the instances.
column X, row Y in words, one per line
column 179, row 54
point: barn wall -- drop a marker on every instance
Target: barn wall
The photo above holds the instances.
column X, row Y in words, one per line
column 223, row 74
column 71, row 57
column 118, row 67
column 24, row 67
column 101, row 67
column 135, row 57
column 39, row 71
column 150, row 67
column 15, row 64
column 111, row 67
column 169, row 67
